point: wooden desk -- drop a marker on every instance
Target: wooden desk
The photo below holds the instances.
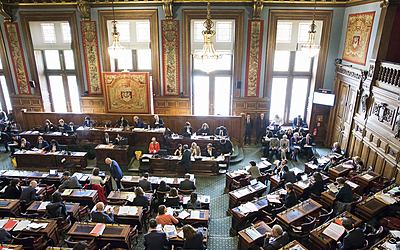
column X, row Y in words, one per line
column 62, row 139
column 72, row 209
column 42, row 176
column 178, row 242
column 46, row 160
column 118, row 153
column 369, row 208
column 275, row 179
column 85, row 179
column 11, row 210
column 117, row 235
column 133, row 181
column 203, row 220
column 301, row 186
column 292, row 245
column 143, row 137
column 39, row 190
column 50, row 231
column 201, row 141
column 245, row 242
column 129, row 218
column 239, row 218
column 246, row 193
column 328, row 197
column 297, row 213
column 204, row 200
column 127, row 196
column 338, row 171
column 380, row 245
column 323, row 241
column 82, row 196
column 14, row 247
column 367, row 178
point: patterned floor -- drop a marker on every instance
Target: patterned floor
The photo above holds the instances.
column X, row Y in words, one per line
column 220, row 222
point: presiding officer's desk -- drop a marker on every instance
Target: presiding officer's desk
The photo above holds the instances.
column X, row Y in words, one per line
column 82, row 196
column 201, row 141
column 37, row 207
column 61, row 138
column 48, row 160
column 246, row 242
column 117, row 235
column 117, row 153
column 298, row 213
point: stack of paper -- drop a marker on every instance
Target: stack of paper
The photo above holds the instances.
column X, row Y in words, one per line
column 170, row 230
column 183, row 215
column 367, row 176
column 131, row 197
column 394, row 190
column 37, row 226
column 390, row 246
column 395, row 233
column 302, row 184
column 127, row 210
column 21, row 225
column 195, row 214
column 253, row 234
column 347, row 166
column 248, row 208
column 273, row 198
column 334, row 231
column 43, row 205
column 127, row 178
column 386, row 199
column 333, row 188
column 242, row 192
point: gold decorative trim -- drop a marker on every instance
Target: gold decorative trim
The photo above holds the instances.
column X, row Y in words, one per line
column 257, row 8
column 84, row 9
column 5, row 11
column 168, row 9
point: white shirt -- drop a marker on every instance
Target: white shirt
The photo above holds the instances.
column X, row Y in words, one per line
column 96, row 180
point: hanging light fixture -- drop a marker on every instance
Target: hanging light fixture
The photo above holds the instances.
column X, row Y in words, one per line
column 208, row 56
column 115, row 50
column 310, row 47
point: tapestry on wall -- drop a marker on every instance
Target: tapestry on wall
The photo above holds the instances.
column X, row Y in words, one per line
column 127, row 92
column 91, row 57
column 254, row 52
column 170, row 56
column 17, row 58
column 359, row 27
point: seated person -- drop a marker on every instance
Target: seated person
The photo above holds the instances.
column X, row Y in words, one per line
column 315, row 187
column 276, row 239
column 121, row 123
column 15, row 142
column 297, row 122
column 193, row 238
column 273, row 147
column 254, row 171
column 276, row 123
column 336, row 148
column 289, row 133
column 107, row 139
column 193, row 202
column 344, row 197
column 358, row 165
column 287, row 176
column 290, row 198
column 140, row 200
column 211, row 151
column 5, row 236
column 285, row 143
column 54, row 147
column 330, row 164
column 295, row 144
column 178, row 151
column 13, row 191
column 163, row 187
column 172, row 199
column 49, row 126
column 187, row 131
column 71, row 128
column 56, row 208
column 205, row 129
column 154, row 146
column 118, row 140
column 15, row 127
column 354, row 238
column 29, row 193
column 165, row 219
column 87, row 123
column 25, row 145
column 138, row 122
column 187, row 183
column 154, row 239
column 196, row 152
column 280, row 134
column 268, row 133
column 62, row 126
column 96, row 179
column 144, row 183
column 221, row 132
column 158, row 122
column 70, row 182
column 101, row 216
column 306, row 146
column 42, row 144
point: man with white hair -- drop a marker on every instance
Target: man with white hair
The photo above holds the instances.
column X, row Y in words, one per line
column 101, row 216
column 115, row 171
column 158, row 122
column 29, row 193
column 276, row 239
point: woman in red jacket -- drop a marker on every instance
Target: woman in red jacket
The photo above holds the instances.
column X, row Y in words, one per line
column 154, row 146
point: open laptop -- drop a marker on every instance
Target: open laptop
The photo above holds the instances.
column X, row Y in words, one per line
column 53, row 173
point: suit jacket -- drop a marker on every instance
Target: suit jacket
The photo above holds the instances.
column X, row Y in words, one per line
column 102, row 217
column 63, row 127
column 345, row 194
column 316, row 188
column 70, row 183
column 213, row 153
column 186, row 161
column 56, row 209
column 288, row 177
column 50, row 128
column 304, row 142
column 226, row 148
column 156, row 240
column 45, row 145
column 123, row 123
column 12, row 192
column 187, row 185
column 160, row 123
column 248, row 125
column 195, row 242
column 353, row 240
column 221, row 131
column 274, row 143
column 29, row 194
column 185, row 133
column 139, row 124
column 26, row 147
column 115, row 171
column 5, row 236
column 295, row 122
column 263, row 123
column 277, row 243
column 145, row 184
column 141, row 201
column 290, row 199
column 204, row 131
column 110, row 140
column 87, row 124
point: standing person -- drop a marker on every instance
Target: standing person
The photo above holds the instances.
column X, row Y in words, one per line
column 306, row 145
column 260, row 126
column 297, row 122
column 115, row 171
column 155, row 240
column 284, row 147
column 158, row 122
column 226, row 149
column 186, row 161
column 248, row 124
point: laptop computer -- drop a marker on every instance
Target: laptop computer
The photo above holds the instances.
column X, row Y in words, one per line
column 53, row 173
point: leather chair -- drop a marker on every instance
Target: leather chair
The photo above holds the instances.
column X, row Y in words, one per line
column 91, row 245
column 30, row 242
column 355, row 203
column 63, row 226
column 161, row 197
column 324, row 217
column 304, row 230
column 134, row 234
column 185, row 192
column 365, row 246
column 276, row 211
column 24, row 205
column 84, row 211
column 116, row 202
column 236, row 184
column 372, row 237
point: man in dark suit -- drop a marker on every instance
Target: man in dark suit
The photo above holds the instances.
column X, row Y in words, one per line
column 5, row 139
column 261, row 125
column 62, row 126
column 155, row 240
column 15, row 143
column 287, row 176
column 354, row 238
column 107, row 139
column 29, row 193
column 211, row 151
column 187, row 184
column 71, row 129
column 306, row 146
column 101, row 216
column 42, row 144
column 221, row 132
column 290, row 198
column 276, row 239
column 115, row 171
column 186, row 161
column 118, row 140
column 187, row 131
column 158, row 122
column 226, row 149
column 297, row 122
column 144, row 183
column 138, row 122
column 70, row 182
column 248, row 129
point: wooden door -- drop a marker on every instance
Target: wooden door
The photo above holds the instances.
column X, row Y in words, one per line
column 340, row 115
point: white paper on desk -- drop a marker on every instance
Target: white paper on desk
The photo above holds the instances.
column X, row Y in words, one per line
column 67, row 192
column 351, row 184
column 78, row 175
column 3, row 222
column 334, row 231
column 180, row 234
column 131, row 197
column 127, row 178
column 395, row 233
column 21, row 225
column 147, row 155
column 302, row 184
column 170, row 230
column 123, row 210
column 195, row 214
column 170, row 211
column 43, row 205
column 312, row 166
column 36, row 226
column 333, row 188
column 248, row 207
column 169, row 180
column 183, row 215
column 386, row 198
column 367, row 176
column 390, row 246
column 273, row 198
column 242, row 192
column 185, row 199
column 297, row 247
column 3, row 190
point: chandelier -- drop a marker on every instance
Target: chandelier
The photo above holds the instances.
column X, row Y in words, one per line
column 208, row 56
column 310, row 47
column 115, row 50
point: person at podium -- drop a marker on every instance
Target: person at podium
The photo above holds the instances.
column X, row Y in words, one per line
column 158, row 122
column 205, row 130
column 154, row 146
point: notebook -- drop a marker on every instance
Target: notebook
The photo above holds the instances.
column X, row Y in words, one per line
column 334, row 231
column 53, row 173
column 10, row 225
column 98, row 229
column 4, row 203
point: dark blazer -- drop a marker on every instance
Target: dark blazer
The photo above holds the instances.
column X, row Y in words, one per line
column 295, row 122
column 278, row 243
column 87, row 124
column 145, row 184
column 213, row 152
column 12, row 192
column 185, row 133
column 73, row 129
column 160, row 123
column 27, row 146
column 5, row 236
column 56, row 209
column 316, row 188
column 50, row 147
column 223, row 129
column 290, row 199
column 194, row 243
column 264, row 123
column 166, row 189
column 29, row 194
column 248, row 126
column 123, row 123
column 304, row 142
column 50, row 128
column 353, row 240
column 186, row 161
column 141, row 201
column 187, row 185
column 115, row 170
column 269, row 134
column 345, row 194
column 139, row 124
column 156, row 240
column 204, row 131
column 110, row 140
column 102, row 217
column 172, row 202
column 63, row 127
column 288, row 177
column 337, row 150
column 118, row 140
column 45, row 145
column 226, row 148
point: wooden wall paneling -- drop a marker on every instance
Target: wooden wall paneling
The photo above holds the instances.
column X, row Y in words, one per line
column 371, row 159
column 92, row 104
column 25, row 102
column 172, row 106
column 379, row 164
column 364, row 153
column 389, row 170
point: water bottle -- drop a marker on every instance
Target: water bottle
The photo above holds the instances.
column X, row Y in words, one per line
column 105, row 127
column 181, row 208
column 148, row 127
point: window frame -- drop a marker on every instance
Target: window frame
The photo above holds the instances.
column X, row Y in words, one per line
column 6, row 71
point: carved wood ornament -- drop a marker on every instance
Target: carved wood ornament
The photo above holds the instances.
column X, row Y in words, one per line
column 383, row 113
column 84, row 9
column 257, row 8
